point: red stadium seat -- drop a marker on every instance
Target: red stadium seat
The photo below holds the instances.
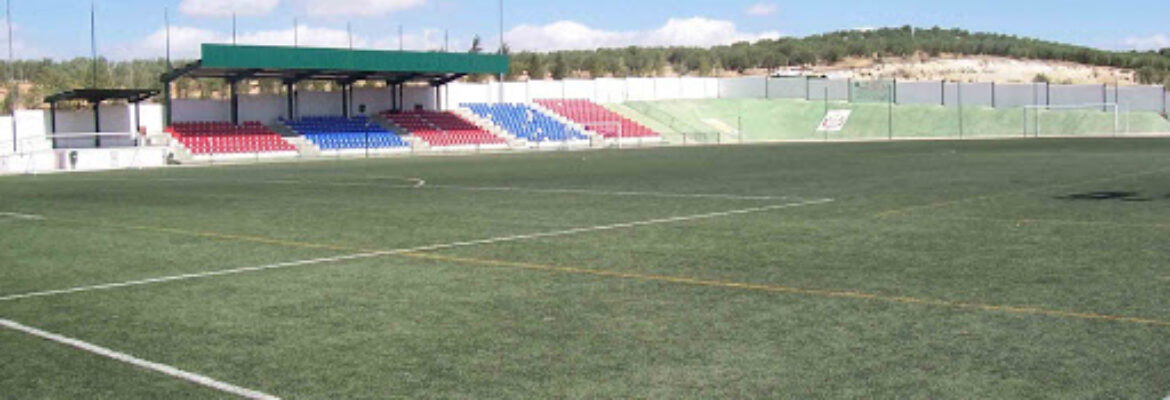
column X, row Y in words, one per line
column 598, row 119
column 224, row 138
column 441, row 129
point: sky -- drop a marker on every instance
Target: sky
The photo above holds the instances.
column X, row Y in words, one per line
column 128, row 29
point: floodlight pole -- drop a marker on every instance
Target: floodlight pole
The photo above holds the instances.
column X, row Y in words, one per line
column 349, row 33
column 296, row 34
column 12, row 72
column 167, row 21
column 233, row 28
column 170, row 68
column 501, row 48
column 93, row 42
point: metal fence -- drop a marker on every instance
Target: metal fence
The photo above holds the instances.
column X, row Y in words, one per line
column 952, row 94
column 777, row 109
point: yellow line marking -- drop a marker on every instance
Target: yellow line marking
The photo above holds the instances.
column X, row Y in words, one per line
column 792, row 290
column 670, row 279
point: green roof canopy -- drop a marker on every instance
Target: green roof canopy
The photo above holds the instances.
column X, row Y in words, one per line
column 306, row 63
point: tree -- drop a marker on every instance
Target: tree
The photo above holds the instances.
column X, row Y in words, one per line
column 595, row 66
column 538, row 65
column 560, row 69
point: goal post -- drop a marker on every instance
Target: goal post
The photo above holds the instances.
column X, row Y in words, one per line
column 1090, row 119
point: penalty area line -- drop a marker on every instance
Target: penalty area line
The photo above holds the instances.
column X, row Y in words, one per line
column 138, row 362
column 434, row 247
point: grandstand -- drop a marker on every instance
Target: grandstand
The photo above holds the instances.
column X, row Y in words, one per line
column 528, row 123
column 340, row 133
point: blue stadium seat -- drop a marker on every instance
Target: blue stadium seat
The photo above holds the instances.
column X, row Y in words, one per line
column 339, row 133
column 526, row 122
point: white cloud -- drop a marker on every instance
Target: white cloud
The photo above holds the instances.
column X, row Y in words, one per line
column 358, row 8
column 762, row 9
column 224, row 8
column 1155, row 42
column 185, row 43
column 570, row 35
column 305, row 36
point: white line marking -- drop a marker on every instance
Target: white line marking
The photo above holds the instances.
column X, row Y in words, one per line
column 416, row 183
column 359, row 256
column 13, row 215
column 606, row 193
column 140, row 363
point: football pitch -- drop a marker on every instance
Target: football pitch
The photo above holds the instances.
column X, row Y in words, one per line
column 983, row 269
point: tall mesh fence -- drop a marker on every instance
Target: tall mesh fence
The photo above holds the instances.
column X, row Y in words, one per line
column 778, row 109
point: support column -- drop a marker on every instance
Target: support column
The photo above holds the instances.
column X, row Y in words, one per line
column 167, row 103
column 137, row 118
column 439, row 98
column 345, row 100
column 393, row 98
column 235, row 102
column 289, row 88
column 53, row 122
column 97, row 125
column 401, row 97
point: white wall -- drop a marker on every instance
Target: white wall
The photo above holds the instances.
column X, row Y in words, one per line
column 606, row 90
column 200, row 110
column 114, row 118
column 31, row 132
column 269, row 108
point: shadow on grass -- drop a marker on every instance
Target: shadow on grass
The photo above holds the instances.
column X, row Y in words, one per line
column 1107, row 196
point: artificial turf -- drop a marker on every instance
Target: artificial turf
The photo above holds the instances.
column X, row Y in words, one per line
column 986, row 269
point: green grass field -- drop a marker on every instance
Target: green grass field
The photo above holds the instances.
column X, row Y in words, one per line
column 764, row 120
column 987, row 269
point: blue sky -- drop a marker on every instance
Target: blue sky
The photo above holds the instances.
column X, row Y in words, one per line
column 134, row 28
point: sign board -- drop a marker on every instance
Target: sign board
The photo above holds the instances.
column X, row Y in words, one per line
column 835, row 121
